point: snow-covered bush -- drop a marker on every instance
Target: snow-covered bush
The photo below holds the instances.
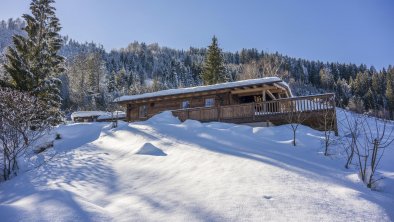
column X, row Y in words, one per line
column 20, row 126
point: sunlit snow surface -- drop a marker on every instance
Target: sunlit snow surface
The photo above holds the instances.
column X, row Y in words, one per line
column 164, row 170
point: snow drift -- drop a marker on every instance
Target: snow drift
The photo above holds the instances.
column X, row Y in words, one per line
column 149, row 149
column 191, row 171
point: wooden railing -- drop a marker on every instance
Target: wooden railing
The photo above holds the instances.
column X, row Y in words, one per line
column 296, row 104
column 252, row 111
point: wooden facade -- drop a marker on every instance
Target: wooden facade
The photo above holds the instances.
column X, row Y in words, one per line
column 85, row 119
column 97, row 116
column 317, row 111
column 269, row 101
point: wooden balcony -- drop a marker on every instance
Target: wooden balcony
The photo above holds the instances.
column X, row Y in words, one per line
column 313, row 111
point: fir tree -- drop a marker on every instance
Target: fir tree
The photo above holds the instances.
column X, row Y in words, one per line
column 326, row 79
column 34, row 64
column 111, row 82
column 121, row 81
column 213, row 70
column 342, row 93
column 390, row 94
column 369, row 100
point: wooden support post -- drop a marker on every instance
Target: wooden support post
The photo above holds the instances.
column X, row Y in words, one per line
column 218, row 112
column 335, row 122
column 128, row 114
column 332, row 104
column 263, row 108
column 254, row 110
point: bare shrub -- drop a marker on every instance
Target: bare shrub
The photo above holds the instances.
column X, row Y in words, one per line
column 20, row 126
column 366, row 139
column 328, row 121
column 295, row 118
column 378, row 136
column 352, row 126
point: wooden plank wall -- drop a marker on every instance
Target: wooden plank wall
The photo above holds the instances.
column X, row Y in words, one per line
column 222, row 97
column 175, row 104
column 310, row 110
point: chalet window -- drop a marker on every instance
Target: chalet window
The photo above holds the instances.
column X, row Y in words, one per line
column 209, row 102
column 185, row 104
column 143, row 111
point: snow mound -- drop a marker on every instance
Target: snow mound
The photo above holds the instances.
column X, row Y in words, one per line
column 243, row 129
column 150, row 149
column 192, row 123
column 164, row 118
column 215, row 172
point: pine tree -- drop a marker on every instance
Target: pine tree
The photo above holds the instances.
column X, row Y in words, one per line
column 111, row 82
column 369, row 100
column 360, row 85
column 390, row 94
column 375, row 83
column 34, row 64
column 95, row 72
column 213, row 70
column 342, row 93
column 121, row 82
column 326, row 79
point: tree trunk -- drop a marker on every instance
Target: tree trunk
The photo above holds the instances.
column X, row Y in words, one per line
column 294, row 137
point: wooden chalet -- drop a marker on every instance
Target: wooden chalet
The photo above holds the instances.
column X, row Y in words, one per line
column 86, row 116
column 265, row 100
column 97, row 116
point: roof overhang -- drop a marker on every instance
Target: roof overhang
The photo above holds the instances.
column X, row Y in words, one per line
column 204, row 90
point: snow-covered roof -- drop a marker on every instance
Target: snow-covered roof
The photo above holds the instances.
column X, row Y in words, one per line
column 116, row 114
column 288, row 87
column 88, row 114
column 226, row 85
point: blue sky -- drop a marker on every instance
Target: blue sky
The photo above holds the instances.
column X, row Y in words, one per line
column 358, row 31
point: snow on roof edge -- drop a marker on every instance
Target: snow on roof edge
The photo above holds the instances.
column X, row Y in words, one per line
column 87, row 113
column 116, row 114
column 288, row 87
column 201, row 88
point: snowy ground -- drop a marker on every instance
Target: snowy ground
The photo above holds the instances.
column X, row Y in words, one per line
column 164, row 170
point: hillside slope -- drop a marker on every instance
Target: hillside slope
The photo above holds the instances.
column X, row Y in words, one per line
column 164, row 170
